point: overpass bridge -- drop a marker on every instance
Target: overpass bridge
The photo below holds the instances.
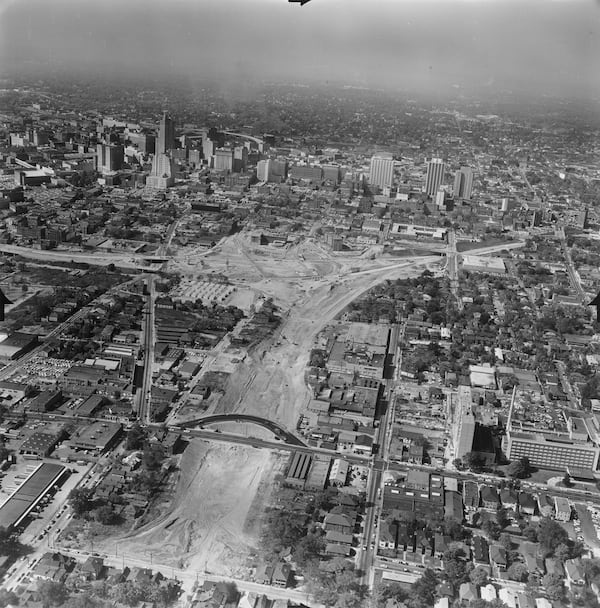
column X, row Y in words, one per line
column 277, row 430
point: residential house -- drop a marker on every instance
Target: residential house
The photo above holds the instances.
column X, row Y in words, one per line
column 509, row 499
column 554, row 566
column 404, row 540
column 527, row 503
column 488, row 592
column 481, row 551
column 498, row 557
column 92, row 569
column 489, row 497
column 574, row 573
column 282, row 574
column 339, row 523
column 341, row 539
column 423, row 544
column 453, row 506
column 337, row 549
column 535, row 564
column 508, row 597
column 440, row 543
column 524, row 600
column 264, row 574
column 470, row 496
column 545, row 504
column 467, row 592
column 387, row 534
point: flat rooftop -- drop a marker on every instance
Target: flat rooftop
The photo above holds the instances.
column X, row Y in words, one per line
column 24, row 498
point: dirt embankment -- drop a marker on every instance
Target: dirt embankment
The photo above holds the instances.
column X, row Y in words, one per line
column 207, row 528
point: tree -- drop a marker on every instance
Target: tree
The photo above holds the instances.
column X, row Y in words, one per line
column 506, row 541
column 81, row 501
column 491, row 528
column 530, row 533
column 475, row 461
column 551, row 534
column 518, row 572
column 502, row 518
column 567, row 481
column 9, row 544
column 84, row 600
column 479, row 576
column 394, row 591
column 127, row 593
column 52, row 593
column 519, row 469
column 106, row 515
column 152, row 457
column 554, row 585
column 135, row 437
column 8, row 598
column 422, row 591
column 309, row 547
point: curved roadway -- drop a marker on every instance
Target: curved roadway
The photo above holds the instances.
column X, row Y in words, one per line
column 277, row 430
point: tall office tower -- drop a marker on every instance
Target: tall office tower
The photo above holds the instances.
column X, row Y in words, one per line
column 162, row 175
column 262, row 171
column 332, row 173
column 440, row 198
column 223, row 160
column 240, row 159
column 166, row 135
column 464, row 429
column 463, row 183
column 436, row 168
column 382, row 170
column 109, row 158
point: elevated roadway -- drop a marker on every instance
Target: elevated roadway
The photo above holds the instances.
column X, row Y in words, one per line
column 277, row 430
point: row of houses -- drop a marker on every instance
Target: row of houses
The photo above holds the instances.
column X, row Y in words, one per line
column 477, row 496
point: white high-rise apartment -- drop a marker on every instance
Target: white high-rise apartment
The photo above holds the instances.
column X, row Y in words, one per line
column 382, row 170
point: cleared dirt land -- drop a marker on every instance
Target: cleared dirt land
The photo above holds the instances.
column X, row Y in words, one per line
column 213, row 524
column 270, row 383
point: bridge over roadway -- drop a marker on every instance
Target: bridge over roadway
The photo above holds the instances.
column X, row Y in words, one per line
column 277, row 430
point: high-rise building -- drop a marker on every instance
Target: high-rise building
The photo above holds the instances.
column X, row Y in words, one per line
column 436, row 169
column 464, row 429
column 223, row 160
column 463, row 183
column 240, row 159
column 332, row 173
column 271, row 170
column 261, row 171
column 109, row 158
column 162, row 175
column 166, row 135
column 382, row 170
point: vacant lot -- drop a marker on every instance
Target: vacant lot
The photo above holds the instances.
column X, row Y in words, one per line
column 206, row 528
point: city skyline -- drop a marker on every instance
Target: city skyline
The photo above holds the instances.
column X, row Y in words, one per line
column 429, row 47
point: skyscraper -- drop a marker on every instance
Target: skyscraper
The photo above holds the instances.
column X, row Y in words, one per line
column 166, row 134
column 162, row 175
column 382, row 170
column 436, row 169
column 109, row 158
column 223, row 160
column 463, row 183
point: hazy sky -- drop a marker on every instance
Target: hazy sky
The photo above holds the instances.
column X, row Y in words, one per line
column 533, row 46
